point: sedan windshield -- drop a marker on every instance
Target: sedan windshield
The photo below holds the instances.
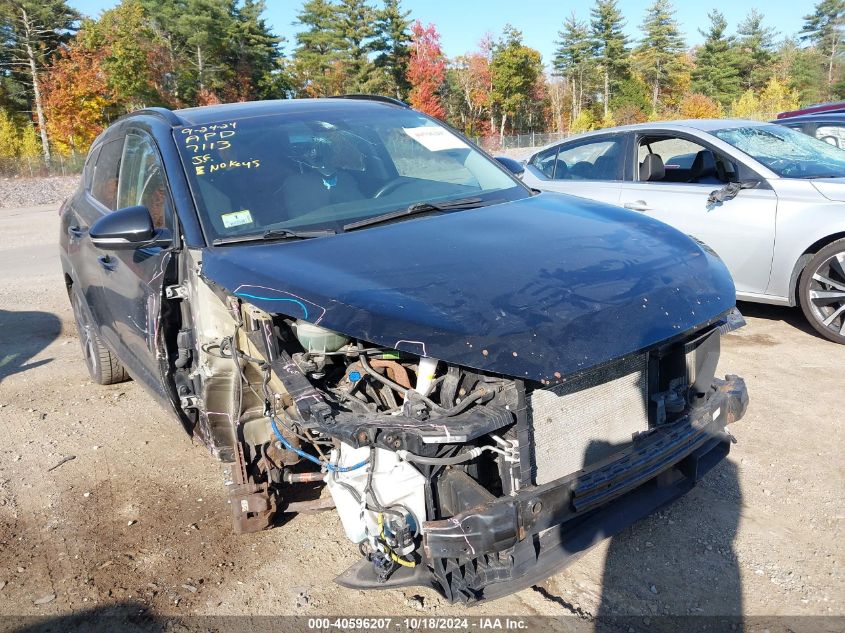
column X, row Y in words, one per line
column 788, row 153
column 329, row 168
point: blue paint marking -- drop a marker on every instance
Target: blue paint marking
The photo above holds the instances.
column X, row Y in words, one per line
column 296, row 301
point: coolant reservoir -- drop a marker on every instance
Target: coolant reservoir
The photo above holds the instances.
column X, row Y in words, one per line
column 318, row 339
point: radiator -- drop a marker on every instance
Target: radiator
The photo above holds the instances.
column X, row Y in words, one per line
column 581, row 421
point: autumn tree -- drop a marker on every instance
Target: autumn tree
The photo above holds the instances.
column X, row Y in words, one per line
column 426, row 69
column 699, row 106
column 471, row 77
column 75, row 98
column 824, row 29
column 716, row 71
column 30, row 33
column 125, row 40
column 9, row 139
column 610, row 46
column 658, row 54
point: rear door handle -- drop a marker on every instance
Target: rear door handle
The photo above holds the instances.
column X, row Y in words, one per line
column 107, row 261
column 637, row 205
column 76, row 231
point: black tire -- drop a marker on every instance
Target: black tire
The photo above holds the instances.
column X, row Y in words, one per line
column 822, row 292
column 102, row 365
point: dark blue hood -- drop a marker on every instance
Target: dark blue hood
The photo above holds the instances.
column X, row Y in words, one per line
column 537, row 288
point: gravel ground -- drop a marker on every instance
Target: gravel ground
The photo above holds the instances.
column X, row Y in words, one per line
column 138, row 517
column 25, row 192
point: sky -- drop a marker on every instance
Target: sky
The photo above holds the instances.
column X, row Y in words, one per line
column 462, row 23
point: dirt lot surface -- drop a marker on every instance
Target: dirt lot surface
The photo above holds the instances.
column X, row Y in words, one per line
column 138, row 515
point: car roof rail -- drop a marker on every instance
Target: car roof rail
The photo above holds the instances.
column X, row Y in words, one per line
column 161, row 113
column 380, row 98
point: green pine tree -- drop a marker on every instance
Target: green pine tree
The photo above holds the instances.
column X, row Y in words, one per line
column 318, row 43
column 756, row 51
column 658, row 53
column 355, row 28
column 716, row 72
column 824, row 29
column 391, row 46
column 573, row 59
column 610, row 46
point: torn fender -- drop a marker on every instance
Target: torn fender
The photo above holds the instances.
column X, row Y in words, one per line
column 536, row 288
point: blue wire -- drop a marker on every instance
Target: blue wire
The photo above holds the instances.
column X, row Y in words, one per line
column 330, row 467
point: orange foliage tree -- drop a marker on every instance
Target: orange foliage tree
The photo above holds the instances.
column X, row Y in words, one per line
column 699, row 106
column 76, row 96
column 426, row 70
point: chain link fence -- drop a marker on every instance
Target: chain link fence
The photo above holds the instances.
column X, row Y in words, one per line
column 28, row 167
column 495, row 143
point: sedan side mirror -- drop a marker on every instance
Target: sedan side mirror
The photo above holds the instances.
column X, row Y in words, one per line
column 513, row 166
column 127, row 229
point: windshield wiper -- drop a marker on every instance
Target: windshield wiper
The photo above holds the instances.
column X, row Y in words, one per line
column 274, row 234
column 415, row 209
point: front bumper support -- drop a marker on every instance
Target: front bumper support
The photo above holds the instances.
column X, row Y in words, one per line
column 509, row 541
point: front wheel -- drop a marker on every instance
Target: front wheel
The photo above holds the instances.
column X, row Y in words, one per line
column 822, row 291
column 103, row 366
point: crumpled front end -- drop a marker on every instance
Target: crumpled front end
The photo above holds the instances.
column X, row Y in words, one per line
column 471, row 482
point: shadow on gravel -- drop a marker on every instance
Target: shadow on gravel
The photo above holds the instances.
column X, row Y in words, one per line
column 23, row 335
column 127, row 617
column 793, row 317
column 680, row 562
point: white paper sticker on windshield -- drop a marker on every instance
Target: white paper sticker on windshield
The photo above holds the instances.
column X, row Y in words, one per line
column 435, row 138
column 236, row 218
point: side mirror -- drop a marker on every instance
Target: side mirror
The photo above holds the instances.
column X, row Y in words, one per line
column 513, row 166
column 127, row 229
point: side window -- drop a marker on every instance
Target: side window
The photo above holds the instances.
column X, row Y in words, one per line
column 545, row 162
column 596, row 160
column 679, row 160
column 142, row 179
column 106, row 172
column 88, row 170
column 833, row 134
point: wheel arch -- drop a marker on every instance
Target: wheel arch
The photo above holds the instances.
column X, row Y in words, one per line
column 806, row 256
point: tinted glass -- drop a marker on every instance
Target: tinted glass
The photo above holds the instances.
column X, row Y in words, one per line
column 324, row 169
column 142, row 179
column 788, row 153
column 106, row 172
column 598, row 160
column 545, row 162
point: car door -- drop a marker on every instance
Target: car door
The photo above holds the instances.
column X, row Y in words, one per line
column 133, row 279
column 97, row 199
column 589, row 168
column 673, row 177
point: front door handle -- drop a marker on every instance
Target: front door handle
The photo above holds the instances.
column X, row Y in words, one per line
column 76, row 231
column 107, row 261
column 637, row 205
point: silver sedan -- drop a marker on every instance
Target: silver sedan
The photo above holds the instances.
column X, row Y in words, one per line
column 769, row 200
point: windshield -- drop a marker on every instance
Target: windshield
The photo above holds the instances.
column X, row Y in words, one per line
column 328, row 169
column 788, row 153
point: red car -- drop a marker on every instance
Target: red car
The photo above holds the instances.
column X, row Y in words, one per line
column 834, row 106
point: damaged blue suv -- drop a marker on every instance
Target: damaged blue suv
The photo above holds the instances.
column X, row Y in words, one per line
column 354, row 307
